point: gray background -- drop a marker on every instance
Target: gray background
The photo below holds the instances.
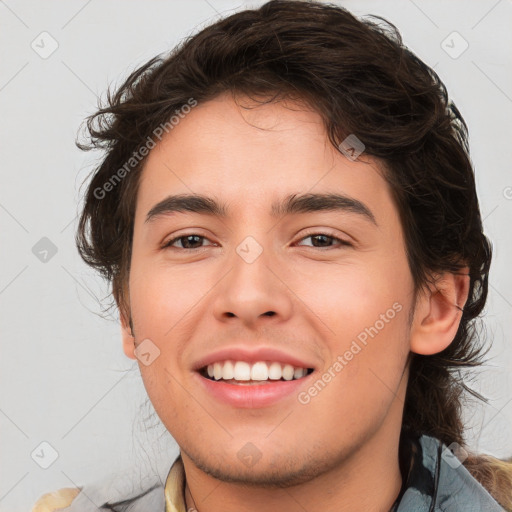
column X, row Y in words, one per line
column 64, row 377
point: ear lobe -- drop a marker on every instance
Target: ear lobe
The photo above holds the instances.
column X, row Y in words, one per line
column 438, row 313
column 127, row 337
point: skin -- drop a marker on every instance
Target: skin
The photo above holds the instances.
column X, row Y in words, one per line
column 339, row 452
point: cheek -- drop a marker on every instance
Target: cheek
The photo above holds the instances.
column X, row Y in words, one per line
column 162, row 296
column 162, row 304
column 362, row 377
column 351, row 296
column 361, row 312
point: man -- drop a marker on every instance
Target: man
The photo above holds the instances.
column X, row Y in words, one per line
column 287, row 213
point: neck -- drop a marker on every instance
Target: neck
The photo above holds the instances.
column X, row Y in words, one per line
column 368, row 480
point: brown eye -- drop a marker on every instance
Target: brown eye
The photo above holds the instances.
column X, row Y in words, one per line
column 187, row 242
column 324, row 240
column 321, row 240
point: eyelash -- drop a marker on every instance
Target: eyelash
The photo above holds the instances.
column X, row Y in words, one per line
column 168, row 245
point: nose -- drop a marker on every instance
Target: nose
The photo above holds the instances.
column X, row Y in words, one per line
column 252, row 292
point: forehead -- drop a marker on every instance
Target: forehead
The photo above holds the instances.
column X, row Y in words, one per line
column 253, row 154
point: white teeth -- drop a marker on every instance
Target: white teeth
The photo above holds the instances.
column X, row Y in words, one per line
column 228, row 372
column 297, row 373
column 287, row 372
column 274, row 371
column 259, row 371
column 242, row 371
column 217, row 371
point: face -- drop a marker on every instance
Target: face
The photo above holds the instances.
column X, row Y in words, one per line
column 326, row 283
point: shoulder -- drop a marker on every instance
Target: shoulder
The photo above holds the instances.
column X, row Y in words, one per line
column 437, row 480
column 455, row 485
column 123, row 494
column 494, row 474
column 54, row 501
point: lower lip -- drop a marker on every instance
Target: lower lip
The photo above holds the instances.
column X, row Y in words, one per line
column 254, row 395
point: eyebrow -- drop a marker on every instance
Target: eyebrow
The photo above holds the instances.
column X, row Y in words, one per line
column 292, row 204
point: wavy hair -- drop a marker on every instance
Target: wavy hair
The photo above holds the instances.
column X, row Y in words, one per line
column 362, row 80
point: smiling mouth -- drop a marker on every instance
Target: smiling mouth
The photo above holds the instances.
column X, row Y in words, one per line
column 204, row 373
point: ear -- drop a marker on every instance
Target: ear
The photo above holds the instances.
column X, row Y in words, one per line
column 438, row 312
column 127, row 335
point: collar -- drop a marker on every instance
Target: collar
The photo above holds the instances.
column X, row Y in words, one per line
column 174, row 491
column 432, row 478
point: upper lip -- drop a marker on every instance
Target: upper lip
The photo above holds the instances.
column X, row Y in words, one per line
column 252, row 355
